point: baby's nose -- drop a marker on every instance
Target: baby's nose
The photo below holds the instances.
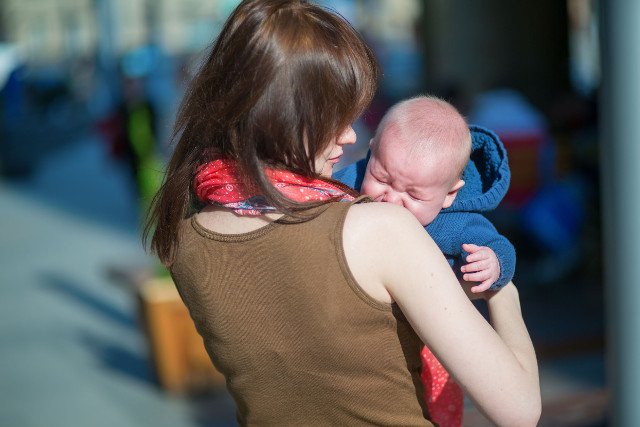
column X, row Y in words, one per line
column 392, row 198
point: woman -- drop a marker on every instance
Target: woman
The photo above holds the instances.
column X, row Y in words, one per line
column 306, row 299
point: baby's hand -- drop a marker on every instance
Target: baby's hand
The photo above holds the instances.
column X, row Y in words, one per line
column 483, row 266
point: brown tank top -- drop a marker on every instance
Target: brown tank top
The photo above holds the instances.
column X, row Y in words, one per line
column 299, row 342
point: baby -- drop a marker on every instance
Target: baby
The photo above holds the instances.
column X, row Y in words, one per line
column 425, row 157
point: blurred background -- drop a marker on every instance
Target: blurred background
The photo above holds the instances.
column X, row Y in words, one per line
column 90, row 336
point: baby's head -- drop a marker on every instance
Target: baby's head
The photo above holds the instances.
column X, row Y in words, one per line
column 417, row 157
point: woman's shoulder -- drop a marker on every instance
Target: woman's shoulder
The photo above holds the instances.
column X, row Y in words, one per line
column 379, row 229
column 380, row 216
column 380, row 240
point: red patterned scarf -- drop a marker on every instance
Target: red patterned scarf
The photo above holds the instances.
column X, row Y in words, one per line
column 218, row 182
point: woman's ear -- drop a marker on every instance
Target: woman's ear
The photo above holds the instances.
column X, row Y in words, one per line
column 451, row 196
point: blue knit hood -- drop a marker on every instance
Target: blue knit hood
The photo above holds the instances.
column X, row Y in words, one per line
column 486, row 176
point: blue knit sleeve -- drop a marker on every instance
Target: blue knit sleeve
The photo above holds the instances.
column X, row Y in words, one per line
column 478, row 230
column 353, row 174
column 451, row 230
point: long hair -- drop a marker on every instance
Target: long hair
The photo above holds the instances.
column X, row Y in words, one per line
column 282, row 80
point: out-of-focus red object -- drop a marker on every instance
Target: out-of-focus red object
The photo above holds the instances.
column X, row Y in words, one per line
column 443, row 396
column 524, row 150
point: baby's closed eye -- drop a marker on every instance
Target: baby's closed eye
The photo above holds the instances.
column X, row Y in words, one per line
column 379, row 180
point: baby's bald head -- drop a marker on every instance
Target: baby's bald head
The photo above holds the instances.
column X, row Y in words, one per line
column 427, row 130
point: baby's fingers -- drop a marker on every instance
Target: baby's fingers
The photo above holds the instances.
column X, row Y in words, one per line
column 475, row 266
column 481, row 287
column 470, row 247
column 479, row 276
column 477, row 256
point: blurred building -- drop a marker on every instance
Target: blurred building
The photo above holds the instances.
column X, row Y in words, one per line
column 51, row 30
column 48, row 30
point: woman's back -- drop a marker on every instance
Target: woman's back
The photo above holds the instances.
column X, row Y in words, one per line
column 269, row 111
column 297, row 338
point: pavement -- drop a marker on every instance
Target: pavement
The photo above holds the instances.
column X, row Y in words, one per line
column 71, row 348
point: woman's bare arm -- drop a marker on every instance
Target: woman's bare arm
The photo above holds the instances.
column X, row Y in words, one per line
column 394, row 259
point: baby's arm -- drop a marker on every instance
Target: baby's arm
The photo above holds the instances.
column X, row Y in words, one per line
column 452, row 231
column 491, row 257
column 482, row 266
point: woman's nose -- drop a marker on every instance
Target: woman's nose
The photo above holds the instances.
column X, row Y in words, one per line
column 348, row 136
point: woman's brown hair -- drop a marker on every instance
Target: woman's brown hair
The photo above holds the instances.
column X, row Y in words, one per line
column 282, row 80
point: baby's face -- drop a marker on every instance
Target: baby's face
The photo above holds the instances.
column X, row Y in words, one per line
column 393, row 176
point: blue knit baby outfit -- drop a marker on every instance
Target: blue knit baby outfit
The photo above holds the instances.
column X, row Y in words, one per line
column 486, row 178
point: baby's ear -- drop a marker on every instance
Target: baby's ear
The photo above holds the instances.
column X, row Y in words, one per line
column 451, row 196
